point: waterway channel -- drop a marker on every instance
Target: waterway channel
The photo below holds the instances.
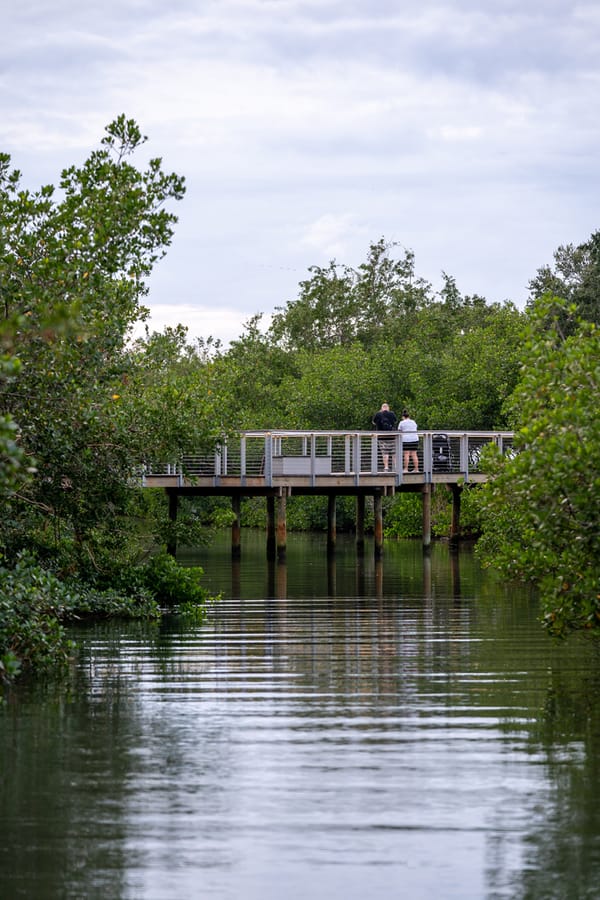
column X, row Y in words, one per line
column 334, row 729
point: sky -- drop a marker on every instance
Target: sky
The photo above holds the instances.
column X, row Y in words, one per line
column 467, row 132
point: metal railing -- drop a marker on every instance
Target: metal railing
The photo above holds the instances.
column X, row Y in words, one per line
column 274, row 456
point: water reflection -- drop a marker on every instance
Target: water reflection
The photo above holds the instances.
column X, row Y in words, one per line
column 404, row 568
column 391, row 729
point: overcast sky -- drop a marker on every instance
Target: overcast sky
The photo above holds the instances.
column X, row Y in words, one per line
column 469, row 132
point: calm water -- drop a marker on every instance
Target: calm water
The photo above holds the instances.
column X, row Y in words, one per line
column 402, row 730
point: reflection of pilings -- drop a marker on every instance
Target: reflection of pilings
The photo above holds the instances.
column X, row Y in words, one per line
column 378, row 578
column 426, row 495
column 331, row 576
column 360, row 575
column 427, row 576
column 378, row 524
column 236, row 531
column 236, row 580
column 281, row 527
column 360, row 524
column 276, row 579
column 271, row 578
column 331, row 523
column 270, row 527
column 455, row 569
column 281, row 592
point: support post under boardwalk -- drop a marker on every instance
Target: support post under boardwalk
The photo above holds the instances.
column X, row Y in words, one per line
column 426, row 495
column 173, row 507
column 331, row 523
column 360, row 524
column 281, row 527
column 270, row 527
column 378, row 525
column 236, row 531
column 455, row 521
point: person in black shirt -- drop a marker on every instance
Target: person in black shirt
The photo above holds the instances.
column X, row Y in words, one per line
column 385, row 420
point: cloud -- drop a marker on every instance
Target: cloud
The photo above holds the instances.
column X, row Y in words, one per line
column 329, row 234
column 201, row 321
column 308, row 128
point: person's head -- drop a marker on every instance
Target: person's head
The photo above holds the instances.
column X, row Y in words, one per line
column 405, row 414
column 385, row 407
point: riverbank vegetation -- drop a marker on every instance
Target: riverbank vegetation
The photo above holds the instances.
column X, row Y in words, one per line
column 84, row 406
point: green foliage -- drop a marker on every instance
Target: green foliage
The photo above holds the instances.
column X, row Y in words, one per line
column 72, row 272
column 173, row 584
column 542, row 510
column 80, row 407
column 35, row 605
column 575, row 277
column 339, row 306
column 404, row 516
column 461, row 364
column 30, row 633
column 470, row 512
column 355, row 337
column 327, row 394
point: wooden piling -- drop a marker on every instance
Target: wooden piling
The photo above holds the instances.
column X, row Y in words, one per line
column 426, row 496
column 331, row 523
column 360, row 524
column 378, row 524
column 281, row 526
column 236, row 531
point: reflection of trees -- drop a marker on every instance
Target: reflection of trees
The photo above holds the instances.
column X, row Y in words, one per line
column 562, row 860
column 60, row 829
column 86, row 766
column 380, row 660
column 151, row 737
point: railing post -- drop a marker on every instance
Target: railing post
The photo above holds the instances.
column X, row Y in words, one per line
column 268, row 459
column 374, row 454
column 427, row 456
column 243, row 459
column 356, row 458
column 464, row 455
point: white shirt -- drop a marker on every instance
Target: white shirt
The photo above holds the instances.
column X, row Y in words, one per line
column 408, row 427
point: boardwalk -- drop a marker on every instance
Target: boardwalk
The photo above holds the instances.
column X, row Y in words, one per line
column 280, row 464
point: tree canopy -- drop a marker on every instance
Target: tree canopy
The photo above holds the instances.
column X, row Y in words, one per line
column 542, row 510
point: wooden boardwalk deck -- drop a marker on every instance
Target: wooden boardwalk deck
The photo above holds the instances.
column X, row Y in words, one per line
column 280, row 464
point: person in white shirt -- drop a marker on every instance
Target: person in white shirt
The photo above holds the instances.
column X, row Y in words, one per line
column 410, row 441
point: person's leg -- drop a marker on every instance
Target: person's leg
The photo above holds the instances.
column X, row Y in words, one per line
column 415, row 459
column 406, row 459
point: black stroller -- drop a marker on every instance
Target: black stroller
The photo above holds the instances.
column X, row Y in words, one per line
column 442, row 453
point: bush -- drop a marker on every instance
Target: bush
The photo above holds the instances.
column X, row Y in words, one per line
column 35, row 605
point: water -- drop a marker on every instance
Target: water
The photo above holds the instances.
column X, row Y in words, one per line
column 399, row 730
